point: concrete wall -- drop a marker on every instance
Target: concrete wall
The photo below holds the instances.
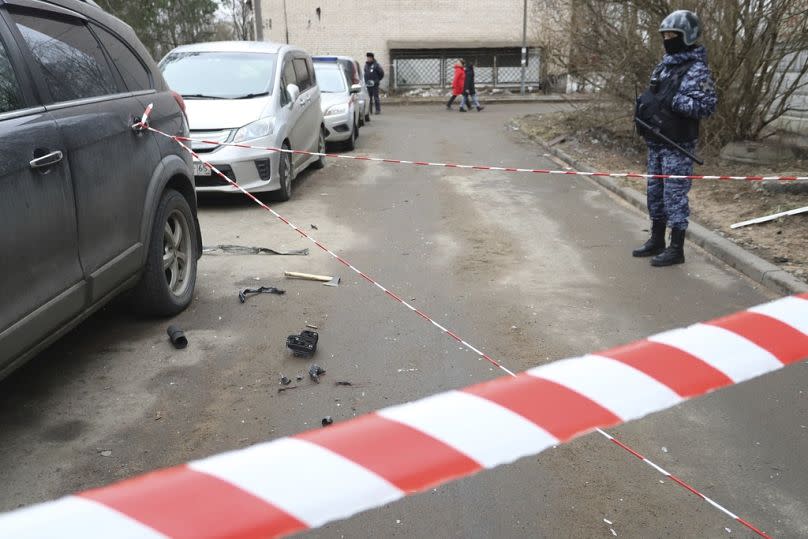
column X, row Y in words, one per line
column 354, row 27
column 795, row 121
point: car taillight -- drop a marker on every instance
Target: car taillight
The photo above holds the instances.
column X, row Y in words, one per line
column 180, row 101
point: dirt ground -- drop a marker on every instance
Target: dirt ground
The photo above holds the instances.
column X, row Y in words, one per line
column 602, row 135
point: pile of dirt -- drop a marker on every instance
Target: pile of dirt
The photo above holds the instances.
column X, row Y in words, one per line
column 602, row 135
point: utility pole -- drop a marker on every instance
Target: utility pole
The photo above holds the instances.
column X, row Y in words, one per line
column 524, row 46
column 258, row 20
column 285, row 22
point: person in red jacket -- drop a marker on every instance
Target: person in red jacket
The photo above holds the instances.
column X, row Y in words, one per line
column 458, row 83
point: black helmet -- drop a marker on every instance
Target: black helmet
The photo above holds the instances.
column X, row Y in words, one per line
column 683, row 22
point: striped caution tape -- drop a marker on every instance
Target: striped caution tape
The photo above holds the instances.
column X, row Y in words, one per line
column 304, row 481
column 446, row 331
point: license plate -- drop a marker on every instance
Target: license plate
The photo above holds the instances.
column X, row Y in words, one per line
column 200, row 169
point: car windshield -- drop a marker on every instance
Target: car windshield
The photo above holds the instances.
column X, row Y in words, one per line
column 219, row 75
column 330, row 78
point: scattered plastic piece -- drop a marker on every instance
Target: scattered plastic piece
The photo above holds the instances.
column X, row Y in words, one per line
column 285, row 381
column 303, row 345
column 287, row 388
column 343, row 383
column 177, row 337
column 244, row 250
column 315, row 371
column 327, row 420
column 242, row 295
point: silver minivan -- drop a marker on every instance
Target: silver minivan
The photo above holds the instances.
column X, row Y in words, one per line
column 257, row 93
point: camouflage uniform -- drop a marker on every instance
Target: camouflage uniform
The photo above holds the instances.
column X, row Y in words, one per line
column 696, row 98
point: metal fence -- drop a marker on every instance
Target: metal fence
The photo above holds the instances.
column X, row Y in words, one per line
column 496, row 68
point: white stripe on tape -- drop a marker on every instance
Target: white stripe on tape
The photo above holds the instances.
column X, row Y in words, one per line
column 72, row 517
column 620, row 388
column 791, row 311
column 737, row 357
column 301, row 479
column 482, row 430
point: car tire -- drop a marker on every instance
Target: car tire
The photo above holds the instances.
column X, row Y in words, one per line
column 284, row 175
column 350, row 145
column 169, row 277
column 320, row 162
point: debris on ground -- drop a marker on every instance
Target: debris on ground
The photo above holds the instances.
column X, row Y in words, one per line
column 287, row 388
column 328, row 280
column 303, row 345
column 312, row 326
column 177, row 337
column 327, row 420
column 343, row 383
column 242, row 295
column 158, row 416
column 245, row 250
column 315, row 371
column 105, row 453
column 285, row 381
column 314, row 227
column 299, row 377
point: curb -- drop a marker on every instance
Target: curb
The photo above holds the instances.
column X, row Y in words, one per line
column 759, row 270
column 550, row 98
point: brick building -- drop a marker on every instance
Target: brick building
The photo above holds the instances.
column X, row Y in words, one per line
column 417, row 41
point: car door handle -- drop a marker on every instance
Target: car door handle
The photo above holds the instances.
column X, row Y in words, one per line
column 47, row 160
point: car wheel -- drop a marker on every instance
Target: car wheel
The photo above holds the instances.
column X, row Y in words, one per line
column 285, row 175
column 320, row 163
column 350, row 145
column 167, row 285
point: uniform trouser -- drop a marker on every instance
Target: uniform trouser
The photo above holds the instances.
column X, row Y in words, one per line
column 667, row 198
column 468, row 99
column 373, row 92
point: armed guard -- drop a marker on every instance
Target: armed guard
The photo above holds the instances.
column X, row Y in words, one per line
column 681, row 93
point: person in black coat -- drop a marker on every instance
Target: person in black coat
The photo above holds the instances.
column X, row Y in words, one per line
column 373, row 76
column 469, row 91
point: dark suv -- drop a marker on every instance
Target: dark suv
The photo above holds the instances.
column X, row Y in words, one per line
column 89, row 206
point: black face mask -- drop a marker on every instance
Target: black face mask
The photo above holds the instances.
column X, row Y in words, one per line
column 675, row 45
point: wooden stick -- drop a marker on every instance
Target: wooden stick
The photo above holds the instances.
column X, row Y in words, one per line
column 308, row 276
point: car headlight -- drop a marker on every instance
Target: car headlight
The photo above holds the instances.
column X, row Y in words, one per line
column 255, row 130
column 336, row 109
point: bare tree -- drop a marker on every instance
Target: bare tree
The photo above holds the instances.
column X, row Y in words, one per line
column 241, row 16
column 757, row 51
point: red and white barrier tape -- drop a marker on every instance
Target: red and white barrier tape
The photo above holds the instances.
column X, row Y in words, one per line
column 493, row 168
column 304, row 481
column 430, row 320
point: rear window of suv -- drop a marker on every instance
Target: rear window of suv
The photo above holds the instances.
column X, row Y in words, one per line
column 69, row 56
column 222, row 75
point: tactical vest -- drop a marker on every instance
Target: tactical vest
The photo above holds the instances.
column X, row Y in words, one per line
column 654, row 107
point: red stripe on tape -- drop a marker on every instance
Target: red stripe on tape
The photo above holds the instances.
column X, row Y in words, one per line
column 407, row 458
column 685, row 374
column 782, row 341
column 182, row 503
column 560, row 411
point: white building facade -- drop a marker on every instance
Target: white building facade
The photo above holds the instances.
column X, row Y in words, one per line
column 416, row 41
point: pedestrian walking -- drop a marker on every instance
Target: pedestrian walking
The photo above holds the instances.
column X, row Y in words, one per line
column 469, row 91
column 373, row 77
column 681, row 93
column 458, row 82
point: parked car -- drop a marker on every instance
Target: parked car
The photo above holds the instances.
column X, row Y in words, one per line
column 355, row 74
column 339, row 103
column 89, row 206
column 259, row 93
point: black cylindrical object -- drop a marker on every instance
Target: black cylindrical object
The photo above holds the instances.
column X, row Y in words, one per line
column 177, row 337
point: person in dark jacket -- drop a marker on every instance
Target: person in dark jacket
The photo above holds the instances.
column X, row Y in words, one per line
column 469, row 91
column 458, row 83
column 373, row 77
column 681, row 93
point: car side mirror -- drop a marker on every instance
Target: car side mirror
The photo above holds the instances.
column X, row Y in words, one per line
column 293, row 91
column 356, row 88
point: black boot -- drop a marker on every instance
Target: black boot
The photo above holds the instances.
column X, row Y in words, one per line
column 656, row 244
column 675, row 253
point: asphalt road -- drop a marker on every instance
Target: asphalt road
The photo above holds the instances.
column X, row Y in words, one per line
column 528, row 268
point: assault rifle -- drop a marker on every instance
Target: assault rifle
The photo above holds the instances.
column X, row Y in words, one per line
column 662, row 138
